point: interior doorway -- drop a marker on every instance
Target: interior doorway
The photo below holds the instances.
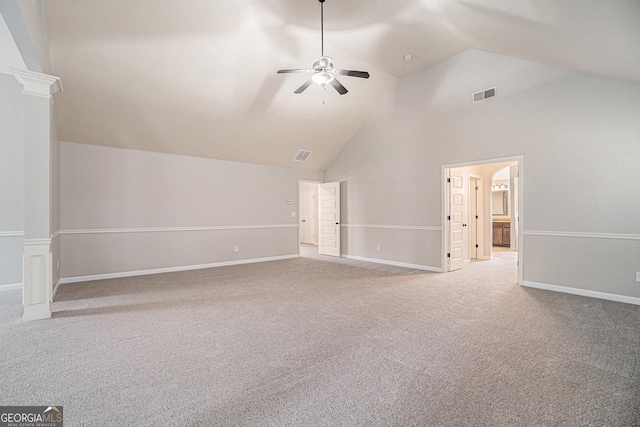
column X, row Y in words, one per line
column 470, row 218
column 308, row 217
column 319, row 230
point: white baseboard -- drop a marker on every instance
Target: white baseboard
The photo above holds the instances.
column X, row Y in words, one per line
column 582, row 292
column 55, row 290
column 394, row 263
column 11, row 287
column 94, row 277
column 18, row 286
column 38, row 315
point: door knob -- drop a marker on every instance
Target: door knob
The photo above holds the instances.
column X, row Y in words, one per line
column 464, row 225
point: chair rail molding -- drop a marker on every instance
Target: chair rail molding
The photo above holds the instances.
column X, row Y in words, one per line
column 173, row 229
column 11, row 233
column 579, row 234
column 394, row 227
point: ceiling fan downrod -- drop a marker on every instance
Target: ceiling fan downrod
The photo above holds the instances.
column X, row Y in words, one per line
column 322, row 27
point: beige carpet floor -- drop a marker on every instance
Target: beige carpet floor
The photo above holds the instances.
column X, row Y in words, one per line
column 315, row 341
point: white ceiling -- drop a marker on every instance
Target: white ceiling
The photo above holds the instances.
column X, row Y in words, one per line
column 198, row 77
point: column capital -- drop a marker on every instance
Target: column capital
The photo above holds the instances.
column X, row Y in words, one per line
column 38, row 84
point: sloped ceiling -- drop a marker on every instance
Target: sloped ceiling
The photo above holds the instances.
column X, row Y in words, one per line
column 10, row 57
column 198, row 77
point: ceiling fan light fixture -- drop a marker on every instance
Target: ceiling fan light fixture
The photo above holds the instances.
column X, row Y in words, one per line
column 322, row 78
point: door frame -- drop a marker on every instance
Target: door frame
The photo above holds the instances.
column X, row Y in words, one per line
column 445, row 207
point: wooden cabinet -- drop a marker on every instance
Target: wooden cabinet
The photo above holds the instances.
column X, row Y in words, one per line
column 501, row 234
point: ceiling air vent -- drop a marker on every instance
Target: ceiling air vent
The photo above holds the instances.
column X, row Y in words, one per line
column 482, row 95
column 302, row 156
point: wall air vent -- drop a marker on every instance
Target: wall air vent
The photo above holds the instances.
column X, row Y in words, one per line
column 302, row 156
column 484, row 94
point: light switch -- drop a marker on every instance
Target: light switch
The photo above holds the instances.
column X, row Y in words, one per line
column 293, row 214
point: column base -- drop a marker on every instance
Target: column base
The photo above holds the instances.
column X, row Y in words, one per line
column 38, row 277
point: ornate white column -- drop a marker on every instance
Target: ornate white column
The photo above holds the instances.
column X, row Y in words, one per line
column 37, row 259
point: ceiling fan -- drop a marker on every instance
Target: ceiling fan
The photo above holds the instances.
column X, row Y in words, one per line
column 323, row 71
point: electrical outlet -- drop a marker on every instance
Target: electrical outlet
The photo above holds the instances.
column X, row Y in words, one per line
column 638, row 276
column 378, row 247
column 293, row 214
column 235, row 249
column 58, row 265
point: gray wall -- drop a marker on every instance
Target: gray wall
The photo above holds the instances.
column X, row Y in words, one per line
column 11, row 179
column 580, row 141
column 126, row 210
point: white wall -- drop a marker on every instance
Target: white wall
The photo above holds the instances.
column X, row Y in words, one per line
column 11, row 179
column 126, row 210
column 579, row 137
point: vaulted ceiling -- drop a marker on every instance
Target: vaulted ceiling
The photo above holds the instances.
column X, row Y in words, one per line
column 198, row 77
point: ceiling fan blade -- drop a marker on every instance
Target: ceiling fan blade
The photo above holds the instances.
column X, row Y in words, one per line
column 352, row 73
column 304, row 86
column 295, row 71
column 338, row 86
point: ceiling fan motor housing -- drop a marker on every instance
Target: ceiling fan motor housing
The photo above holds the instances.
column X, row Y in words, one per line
column 324, row 64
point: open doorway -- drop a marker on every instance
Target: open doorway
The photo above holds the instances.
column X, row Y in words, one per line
column 308, row 217
column 319, row 218
column 482, row 212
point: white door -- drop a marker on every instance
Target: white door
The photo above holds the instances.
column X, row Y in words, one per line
column 473, row 218
column 307, row 217
column 456, row 222
column 329, row 219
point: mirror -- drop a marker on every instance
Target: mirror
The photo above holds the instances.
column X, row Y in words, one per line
column 500, row 202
